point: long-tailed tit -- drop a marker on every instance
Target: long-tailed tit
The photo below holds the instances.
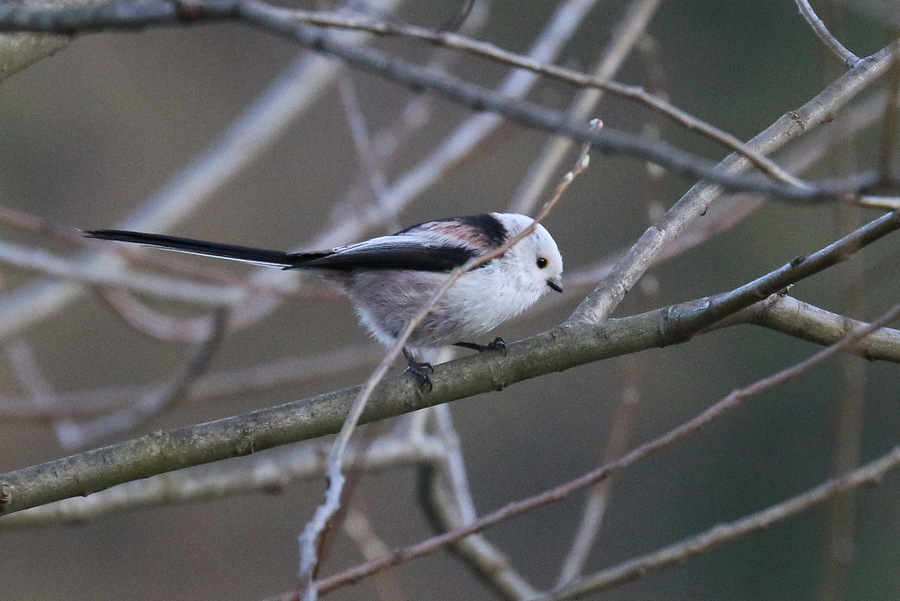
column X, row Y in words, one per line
column 390, row 278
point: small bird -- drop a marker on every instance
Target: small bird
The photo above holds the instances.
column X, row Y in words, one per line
column 390, row 278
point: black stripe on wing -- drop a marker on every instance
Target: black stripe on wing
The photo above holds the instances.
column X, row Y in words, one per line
column 416, row 257
column 197, row 247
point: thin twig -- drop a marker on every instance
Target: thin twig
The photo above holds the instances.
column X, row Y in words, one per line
column 849, row 59
column 43, row 396
column 869, row 474
column 373, row 174
column 469, row 134
column 102, row 274
column 212, row 387
column 112, row 15
column 890, row 124
column 479, row 555
column 803, row 321
column 848, row 404
column 152, row 323
column 413, row 117
column 357, row 526
column 617, row 444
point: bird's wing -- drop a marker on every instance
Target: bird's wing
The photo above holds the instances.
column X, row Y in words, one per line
column 386, row 252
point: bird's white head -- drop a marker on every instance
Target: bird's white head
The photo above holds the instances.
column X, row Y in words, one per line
column 536, row 259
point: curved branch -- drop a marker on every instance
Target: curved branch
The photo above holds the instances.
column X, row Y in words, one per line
column 848, row 58
column 801, row 320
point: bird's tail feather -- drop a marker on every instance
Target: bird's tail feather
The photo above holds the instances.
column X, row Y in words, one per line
column 246, row 254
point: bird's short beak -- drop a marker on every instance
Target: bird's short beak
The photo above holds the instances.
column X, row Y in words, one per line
column 555, row 284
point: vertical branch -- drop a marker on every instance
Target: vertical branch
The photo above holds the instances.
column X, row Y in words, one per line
column 312, row 533
column 358, row 527
column 372, row 172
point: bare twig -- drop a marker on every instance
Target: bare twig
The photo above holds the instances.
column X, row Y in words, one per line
column 412, row 118
column 848, row 404
column 368, row 160
column 801, row 320
column 890, row 124
column 484, row 559
column 112, row 15
column 360, row 530
column 472, row 132
column 444, row 493
column 102, row 274
column 617, row 444
column 43, row 397
column 871, row 473
column 211, row 387
column 152, row 323
column 850, row 59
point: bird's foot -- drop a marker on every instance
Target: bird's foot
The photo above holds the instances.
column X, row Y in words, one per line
column 419, row 370
column 496, row 345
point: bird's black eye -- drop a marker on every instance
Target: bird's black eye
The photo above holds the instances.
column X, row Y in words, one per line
column 542, row 262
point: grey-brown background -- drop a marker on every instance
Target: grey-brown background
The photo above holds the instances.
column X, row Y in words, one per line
column 86, row 135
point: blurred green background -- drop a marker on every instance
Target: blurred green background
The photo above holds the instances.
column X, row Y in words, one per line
column 90, row 133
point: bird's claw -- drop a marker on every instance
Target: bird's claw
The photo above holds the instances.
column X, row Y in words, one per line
column 498, row 344
column 420, row 370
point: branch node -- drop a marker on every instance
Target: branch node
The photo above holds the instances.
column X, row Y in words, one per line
column 6, row 493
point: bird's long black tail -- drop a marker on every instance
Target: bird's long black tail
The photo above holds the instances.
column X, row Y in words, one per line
column 246, row 254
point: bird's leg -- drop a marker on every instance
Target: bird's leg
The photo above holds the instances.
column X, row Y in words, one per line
column 419, row 369
column 496, row 345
